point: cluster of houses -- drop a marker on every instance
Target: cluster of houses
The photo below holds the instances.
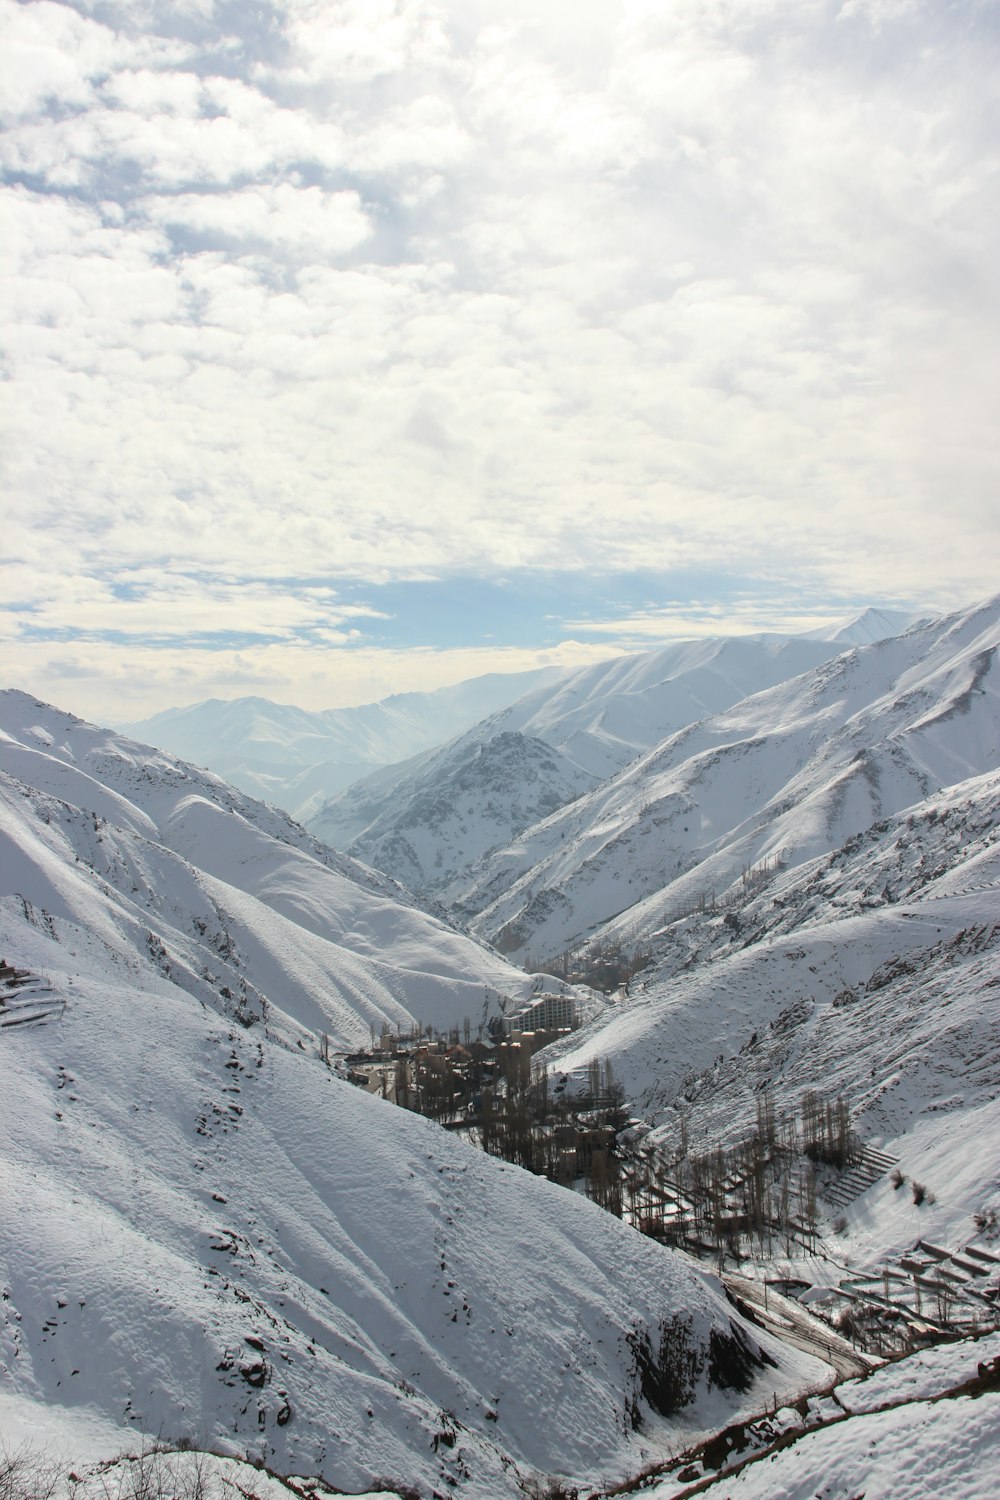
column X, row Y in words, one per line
column 444, row 1076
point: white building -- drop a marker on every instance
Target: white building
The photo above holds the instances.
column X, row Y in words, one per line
column 544, row 1013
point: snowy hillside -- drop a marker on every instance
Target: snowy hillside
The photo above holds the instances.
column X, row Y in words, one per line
column 297, row 758
column 453, row 807
column 908, row 905
column 435, row 817
column 873, row 973
column 604, row 716
column 863, row 629
column 233, row 898
column 781, row 777
column 218, row 1239
column 924, row 1428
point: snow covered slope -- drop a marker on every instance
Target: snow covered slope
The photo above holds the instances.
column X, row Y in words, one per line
column 782, row 776
column 453, row 806
column 298, row 758
column 897, row 913
column 234, row 898
column 923, row 1428
column 873, row 973
column 436, row 816
column 861, row 630
column 216, row 1238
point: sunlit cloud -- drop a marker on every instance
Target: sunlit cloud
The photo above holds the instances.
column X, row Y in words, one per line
column 401, row 289
column 644, row 630
column 146, row 607
column 285, row 217
column 113, row 682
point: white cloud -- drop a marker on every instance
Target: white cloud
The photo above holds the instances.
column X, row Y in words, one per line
column 162, row 604
column 361, row 41
column 50, row 53
column 401, row 289
column 146, row 92
column 306, row 221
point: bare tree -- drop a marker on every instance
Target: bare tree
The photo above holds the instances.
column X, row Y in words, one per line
column 27, row 1473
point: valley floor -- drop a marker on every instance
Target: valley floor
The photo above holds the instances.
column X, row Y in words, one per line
column 924, row 1428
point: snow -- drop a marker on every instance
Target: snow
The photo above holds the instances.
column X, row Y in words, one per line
column 126, row 840
column 66, row 1455
column 298, row 758
column 921, row 1453
column 868, row 626
column 893, row 1006
column 213, row 1229
column 786, row 774
column 920, row 1376
column 184, row 1186
column 916, row 1449
column 219, row 1240
column 469, row 798
column 449, row 808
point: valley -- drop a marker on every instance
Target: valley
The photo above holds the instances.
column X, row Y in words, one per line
column 775, row 927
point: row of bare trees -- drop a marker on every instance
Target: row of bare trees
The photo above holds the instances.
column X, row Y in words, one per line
column 603, row 966
column 760, row 1193
column 563, row 1138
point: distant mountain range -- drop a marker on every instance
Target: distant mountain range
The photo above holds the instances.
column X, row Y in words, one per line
column 783, row 775
column 810, row 874
column 297, row 759
column 435, row 818
column 134, row 845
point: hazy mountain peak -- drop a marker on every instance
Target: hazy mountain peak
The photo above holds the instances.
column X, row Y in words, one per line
column 869, row 625
column 298, row 757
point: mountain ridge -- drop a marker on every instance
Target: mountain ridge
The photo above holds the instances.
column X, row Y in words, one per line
column 297, row 757
column 159, row 847
column 219, row 1239
column 781, row 775
column 594, row 723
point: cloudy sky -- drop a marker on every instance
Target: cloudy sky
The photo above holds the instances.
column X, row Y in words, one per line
column 354, row 346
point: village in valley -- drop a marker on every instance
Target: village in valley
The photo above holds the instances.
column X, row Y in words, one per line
column 762, row 1213
column 784, row 1069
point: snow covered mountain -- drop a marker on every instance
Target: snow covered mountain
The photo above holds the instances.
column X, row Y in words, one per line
column 870, row 975
column 432, row 818
column 451, row 807
column 777, row 779
column 217, row 1239
column 869, row 626
column 229, row 893
column 298, row 759
column 871, row 971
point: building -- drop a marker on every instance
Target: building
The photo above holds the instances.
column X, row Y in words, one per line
column 544, row 1013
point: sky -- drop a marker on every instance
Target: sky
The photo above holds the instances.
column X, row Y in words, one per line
column 359, row 346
